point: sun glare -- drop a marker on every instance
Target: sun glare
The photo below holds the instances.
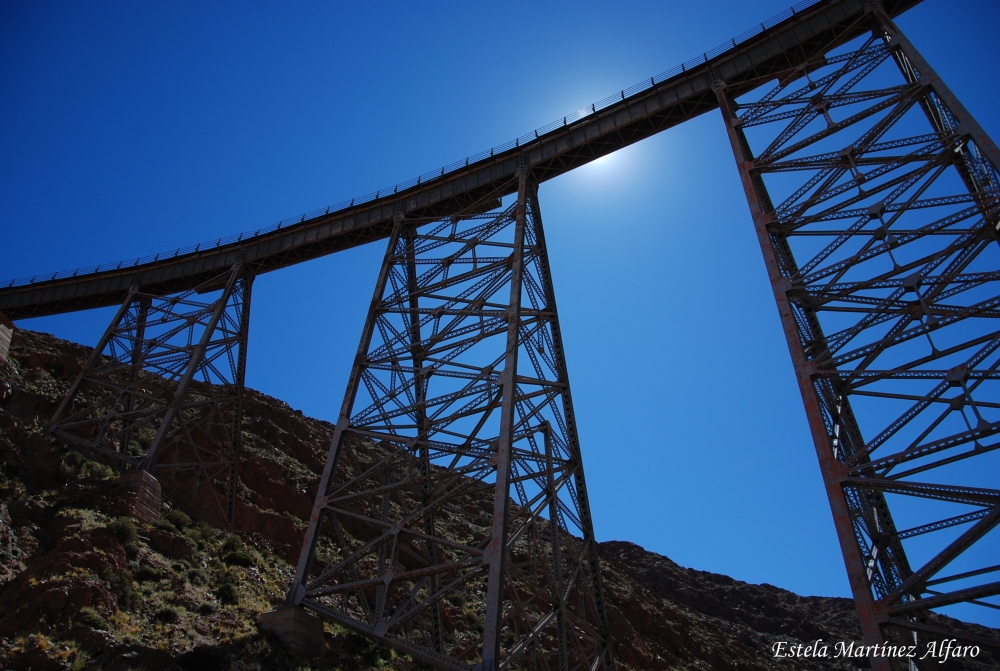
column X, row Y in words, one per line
column 606, row 161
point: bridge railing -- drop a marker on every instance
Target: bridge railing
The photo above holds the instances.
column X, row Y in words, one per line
column 524, row 140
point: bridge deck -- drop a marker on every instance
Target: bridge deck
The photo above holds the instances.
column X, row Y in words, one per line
column 775, row 51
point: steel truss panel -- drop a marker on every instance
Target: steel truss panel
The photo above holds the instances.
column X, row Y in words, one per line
column 876, row 200
column 452, row 519
column 163, row 392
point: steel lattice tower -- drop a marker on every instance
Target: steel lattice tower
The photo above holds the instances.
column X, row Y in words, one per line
column 454, row 488
column 162, row 393
column 876, row 200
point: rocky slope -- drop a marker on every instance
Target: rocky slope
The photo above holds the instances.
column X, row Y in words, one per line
column 83, row 586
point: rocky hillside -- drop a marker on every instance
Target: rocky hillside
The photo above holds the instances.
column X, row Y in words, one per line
column 84, row 586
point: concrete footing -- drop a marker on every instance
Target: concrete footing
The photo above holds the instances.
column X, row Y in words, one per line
column 146, row 506
column 6, row 332
column 301, row 632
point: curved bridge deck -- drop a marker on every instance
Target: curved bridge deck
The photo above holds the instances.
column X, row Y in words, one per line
column 770, row 52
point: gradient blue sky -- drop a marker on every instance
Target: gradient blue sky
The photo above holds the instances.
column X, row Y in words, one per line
column 130, row 128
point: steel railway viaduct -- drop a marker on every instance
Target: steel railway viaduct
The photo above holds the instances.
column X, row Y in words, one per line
column 874, row 195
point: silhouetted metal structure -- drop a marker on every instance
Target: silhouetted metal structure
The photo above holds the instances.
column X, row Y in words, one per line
column 163, row 390
column 460, row 389
column 456, row 468
column 876, row 200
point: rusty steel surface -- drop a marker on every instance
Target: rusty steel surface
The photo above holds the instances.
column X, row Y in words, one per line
column 454, row 484
column 659, row 106
column 876, row 200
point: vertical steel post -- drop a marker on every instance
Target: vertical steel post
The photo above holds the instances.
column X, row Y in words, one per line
column 140, row 334
column 246, row 284
column 423, row 425
column 574, row 438
column 495, row 553
column 557, row 568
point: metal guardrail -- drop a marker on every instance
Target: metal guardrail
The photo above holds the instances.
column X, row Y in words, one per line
column 524, row 140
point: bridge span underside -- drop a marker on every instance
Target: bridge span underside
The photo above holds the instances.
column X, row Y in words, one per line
column 774, row 53
column 876, row 199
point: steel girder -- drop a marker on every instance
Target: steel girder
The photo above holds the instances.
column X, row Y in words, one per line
column 876, row 200
column 163, row 392
column 452, row 520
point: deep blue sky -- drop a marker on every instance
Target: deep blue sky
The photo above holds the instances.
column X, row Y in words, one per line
column 131, row 128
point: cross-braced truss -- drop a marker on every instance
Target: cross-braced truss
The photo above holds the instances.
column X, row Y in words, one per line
column 452, row 519
column 163, row 390
column 877, row 207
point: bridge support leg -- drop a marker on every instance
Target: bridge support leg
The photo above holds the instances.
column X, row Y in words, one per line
column 876, row 201
column 161, row 396
column 831, row 474
column 454, row 484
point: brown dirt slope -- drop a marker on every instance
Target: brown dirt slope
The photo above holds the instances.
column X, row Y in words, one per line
column 82, row 586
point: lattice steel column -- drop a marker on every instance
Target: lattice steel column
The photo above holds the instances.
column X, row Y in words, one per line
column 876, row 200
column 452, row 520
column 162, row 392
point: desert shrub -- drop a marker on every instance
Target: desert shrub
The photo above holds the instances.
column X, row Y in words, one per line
column 228, row 594
column 197, row 577
column 124, row 530
column 232, row 543
column 88, row 617
column 166, row 526
column 201, row 533
column 178, row 518
column 93, row 469
column 120, row 584
column 168, row 615
column 239, row 558
column 137, row 448
column 206, row 609
column 81, row 662
column 148, row 574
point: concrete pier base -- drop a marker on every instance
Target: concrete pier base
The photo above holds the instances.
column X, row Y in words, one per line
column 301, row 632
column 146, row 506
column 6, row 333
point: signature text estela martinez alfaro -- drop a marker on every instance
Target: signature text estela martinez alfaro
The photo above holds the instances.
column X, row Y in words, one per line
column 940, row 651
